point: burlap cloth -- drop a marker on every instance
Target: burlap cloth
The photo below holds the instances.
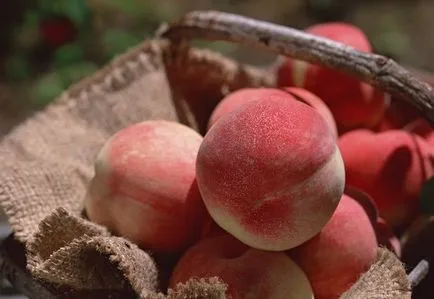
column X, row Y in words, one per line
column 47, row 161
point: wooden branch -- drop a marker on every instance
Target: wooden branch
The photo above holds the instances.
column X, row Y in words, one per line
column 418, row 273
column 379, row 71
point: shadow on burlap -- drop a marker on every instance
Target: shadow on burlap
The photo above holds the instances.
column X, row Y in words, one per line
column 47, row 162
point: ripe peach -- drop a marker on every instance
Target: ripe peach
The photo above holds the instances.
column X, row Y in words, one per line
column 239, row 97
column 422, row 128
column 391, row 167
column 430, row 139
column 354, row 104
column 270, row 173
column 386, row 237
column 211, row 229
column 385, row 234
column 335, row 258
column 397, row 115
column 144, row 186
column 312, row 100
column 248, row 273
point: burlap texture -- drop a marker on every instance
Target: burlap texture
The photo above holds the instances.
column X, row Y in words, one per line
column 385, row 279
column 47, row 162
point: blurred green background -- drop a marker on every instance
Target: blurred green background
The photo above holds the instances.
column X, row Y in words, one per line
column 45, row 45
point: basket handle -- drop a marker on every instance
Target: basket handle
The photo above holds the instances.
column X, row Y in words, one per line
column 379, row 71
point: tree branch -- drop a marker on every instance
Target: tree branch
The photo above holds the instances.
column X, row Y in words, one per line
column 379, row 71
column 418, row 273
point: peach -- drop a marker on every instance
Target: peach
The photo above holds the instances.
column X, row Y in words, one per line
column 391, row 167
column 354, row 104
column 397, row 115
column 386, row 237
column 335, row 258
column 144, row 186
column 422, row 128
column 237, row 98
column 312, row 100
column 270, row 173
column 248, row 273
column 211, row 229
column 430, row 139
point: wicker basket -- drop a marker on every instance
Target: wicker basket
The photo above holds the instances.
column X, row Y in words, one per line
column 47, row 162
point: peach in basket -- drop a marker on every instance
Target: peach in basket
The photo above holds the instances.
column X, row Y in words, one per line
column 144, row 186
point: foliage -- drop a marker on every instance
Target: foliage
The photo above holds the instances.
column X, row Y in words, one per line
column 55, row 37
column 59, row 42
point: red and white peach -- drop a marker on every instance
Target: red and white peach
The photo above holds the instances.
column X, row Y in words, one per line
column 345, row 248
column 270, row 172
column 248, row 273
column 238, row 98
column 315, row 102
column 145, row 187
column 386, row 236
column 354, row 104
column 391, row 167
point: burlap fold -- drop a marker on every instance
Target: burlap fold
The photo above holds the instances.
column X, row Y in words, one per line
column 47, row 162
column 70, row 248
column 385, row 279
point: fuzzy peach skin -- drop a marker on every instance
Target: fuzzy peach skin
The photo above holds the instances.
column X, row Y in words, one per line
column 335, row 258
column 354, row 104
column 391, row 167
column 144, row 186
column 430, row 139
column 312, row 100
column 239, row 97
column 249, row 273
column 270, row 173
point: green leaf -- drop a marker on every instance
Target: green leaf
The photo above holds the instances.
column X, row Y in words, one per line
column 130, row 7
column 426, row 198
column 115, row 41
column 47, row 88
column 17, row 67
column 164, row 11
column 77, row 11
column 392, row 42
column 31, row 18
column 51, row 6
column 26, row 35
column 67, row 55
column 75, row 72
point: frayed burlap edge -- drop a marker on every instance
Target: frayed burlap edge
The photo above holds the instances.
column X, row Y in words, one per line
column 73, row 240
column 179, row 63
column 120, row 73
column 385, row 279
column 67, row 248
column 209, row 288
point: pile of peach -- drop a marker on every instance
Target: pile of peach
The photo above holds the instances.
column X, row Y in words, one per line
column 287, row 195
